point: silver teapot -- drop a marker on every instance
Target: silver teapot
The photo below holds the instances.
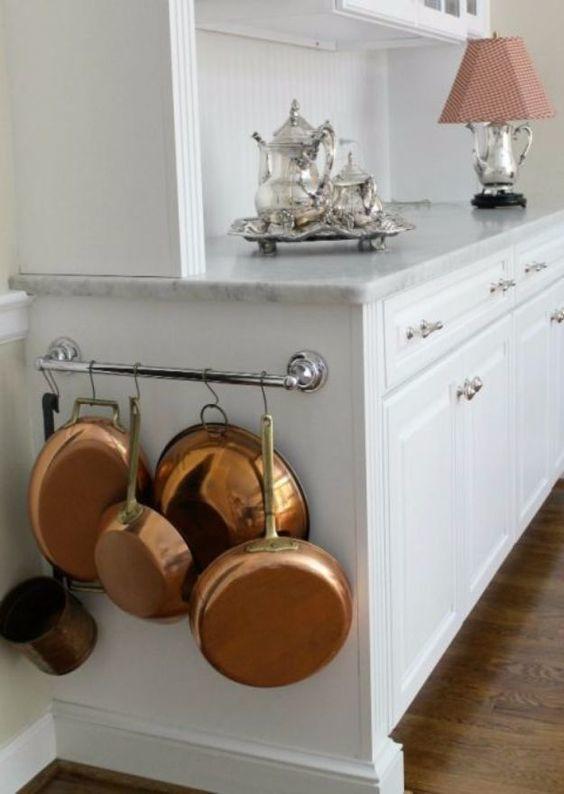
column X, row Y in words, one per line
column 291, row 191
column 355, row 198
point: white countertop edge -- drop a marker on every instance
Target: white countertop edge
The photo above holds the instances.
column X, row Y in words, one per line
column 14, row 316
column 306, row 291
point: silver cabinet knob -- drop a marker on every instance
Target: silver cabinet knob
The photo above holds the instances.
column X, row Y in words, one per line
column 535, row 267
column 424, row 329
column 558, row 316
column 502, row 285
column 470, row 388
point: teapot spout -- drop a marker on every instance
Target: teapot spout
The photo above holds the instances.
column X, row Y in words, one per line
column 264, row 162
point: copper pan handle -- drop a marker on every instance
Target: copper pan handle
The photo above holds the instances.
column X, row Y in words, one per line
column 132, row 509
column 272, row 541
column 89, row 401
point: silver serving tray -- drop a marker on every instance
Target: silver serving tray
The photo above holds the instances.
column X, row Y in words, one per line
column 371, row 236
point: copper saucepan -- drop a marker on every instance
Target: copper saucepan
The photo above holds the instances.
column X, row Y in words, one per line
column 142, row 561
column 208, row 483
column 81, row 470
column 274, row 611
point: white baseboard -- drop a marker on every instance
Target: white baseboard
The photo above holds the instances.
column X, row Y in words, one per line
column 27, row 755
column 223, row 765
column 14, row 311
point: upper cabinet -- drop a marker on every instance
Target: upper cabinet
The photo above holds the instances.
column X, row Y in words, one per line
column 346, row 24
column 446, row 17
column 478, row 18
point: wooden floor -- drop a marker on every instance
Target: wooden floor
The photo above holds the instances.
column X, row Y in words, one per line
column 65, row 778
column 490, row 720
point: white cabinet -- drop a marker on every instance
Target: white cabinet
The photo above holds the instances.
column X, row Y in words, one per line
column 421, row 457
column 485, row 468
column 403, row 11
column 557, row 373
column 449, row 454
column 446, row 17
column 477, row 18
column 533, row 333
column 345, row 24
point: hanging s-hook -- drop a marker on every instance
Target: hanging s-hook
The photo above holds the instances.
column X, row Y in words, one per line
column 91, row 376
column 210, row 387
column 136, row 378
column 51, row 382
column 263, row 375
column 212, row 428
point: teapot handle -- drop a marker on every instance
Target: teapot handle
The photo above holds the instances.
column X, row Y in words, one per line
column 328, row 139
column 526, row 129
column 368, row 193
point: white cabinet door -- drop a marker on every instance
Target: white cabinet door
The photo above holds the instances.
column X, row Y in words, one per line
column 445, row 17
column 557, row 372
column 533, row 334
column 420, row 465
column 487, row 465
column 477, row 18
column 403, row 11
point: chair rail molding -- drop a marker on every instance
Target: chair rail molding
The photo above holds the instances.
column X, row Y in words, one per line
column 14, row 316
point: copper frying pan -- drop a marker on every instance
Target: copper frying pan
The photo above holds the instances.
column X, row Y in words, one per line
column 208, row 483
column 274, row 611
column 143, row 563
column 80, row 471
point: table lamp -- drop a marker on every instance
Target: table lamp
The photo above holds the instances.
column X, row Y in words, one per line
column 497, row 82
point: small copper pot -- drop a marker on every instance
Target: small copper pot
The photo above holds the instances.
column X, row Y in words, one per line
column 46, row 623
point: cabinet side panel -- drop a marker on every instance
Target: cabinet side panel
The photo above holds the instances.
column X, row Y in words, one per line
column 94, row 136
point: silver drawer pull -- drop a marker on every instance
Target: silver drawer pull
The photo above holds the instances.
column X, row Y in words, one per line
column 558, row 316
column 424, row 329
column 470, row 388
column 502, row 285
column 535, row 267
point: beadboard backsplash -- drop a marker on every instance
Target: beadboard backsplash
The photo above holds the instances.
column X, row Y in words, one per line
column 247, row 85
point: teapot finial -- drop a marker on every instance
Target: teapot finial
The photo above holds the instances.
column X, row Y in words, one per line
column 294, row 112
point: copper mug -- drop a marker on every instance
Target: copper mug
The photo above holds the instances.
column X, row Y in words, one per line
column 46, row 623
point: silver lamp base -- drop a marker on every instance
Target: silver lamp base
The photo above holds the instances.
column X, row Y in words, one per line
column 496, row 163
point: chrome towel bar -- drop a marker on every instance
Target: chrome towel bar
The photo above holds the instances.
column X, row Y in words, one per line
column 306, row 371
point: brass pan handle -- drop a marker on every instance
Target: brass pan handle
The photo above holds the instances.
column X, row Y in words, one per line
column 89, row 401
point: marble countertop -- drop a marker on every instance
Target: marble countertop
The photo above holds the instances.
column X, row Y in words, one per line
column 447, row 237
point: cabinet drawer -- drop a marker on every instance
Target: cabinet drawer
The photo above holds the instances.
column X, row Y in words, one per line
column 422, row 324
column 539, row 263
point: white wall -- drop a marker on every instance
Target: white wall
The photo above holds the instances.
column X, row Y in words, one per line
column 427, row 160
column 24, row 692
column 248, row 85
column 540, row 24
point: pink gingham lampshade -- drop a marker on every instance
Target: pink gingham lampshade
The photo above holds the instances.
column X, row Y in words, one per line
column 497, row 81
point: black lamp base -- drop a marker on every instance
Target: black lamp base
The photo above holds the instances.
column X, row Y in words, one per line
column 489, row 201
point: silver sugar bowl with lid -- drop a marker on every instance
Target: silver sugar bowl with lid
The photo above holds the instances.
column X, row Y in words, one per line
column 355, row 199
